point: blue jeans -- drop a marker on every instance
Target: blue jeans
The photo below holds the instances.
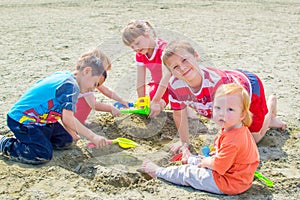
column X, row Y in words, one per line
column 34, row 144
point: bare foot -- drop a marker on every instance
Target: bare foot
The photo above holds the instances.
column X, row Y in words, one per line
column 277, row 123
column 175, row 147
column 149, row 167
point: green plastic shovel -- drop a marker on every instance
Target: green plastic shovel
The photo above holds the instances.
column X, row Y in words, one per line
column 267, row 181
column 123, row 142
column 141, row 106
column 142, row 111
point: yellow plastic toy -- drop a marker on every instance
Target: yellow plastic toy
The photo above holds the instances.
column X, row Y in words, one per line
column 141, row 106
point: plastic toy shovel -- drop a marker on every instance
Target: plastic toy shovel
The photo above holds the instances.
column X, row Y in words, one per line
column 267, row 181
column 141, row 106
column 141, row 111
column 123, row 142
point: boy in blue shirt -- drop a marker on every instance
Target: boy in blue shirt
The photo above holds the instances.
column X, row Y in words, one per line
column 35, row 117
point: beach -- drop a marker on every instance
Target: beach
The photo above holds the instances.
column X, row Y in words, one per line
column 40, row 37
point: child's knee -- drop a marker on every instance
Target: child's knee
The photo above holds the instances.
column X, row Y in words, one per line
column 35, row 158
column 42, row 156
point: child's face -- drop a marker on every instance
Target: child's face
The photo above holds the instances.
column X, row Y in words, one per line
column 142, row 44
column 184, row 65
column 227, row 111
column 86, row 81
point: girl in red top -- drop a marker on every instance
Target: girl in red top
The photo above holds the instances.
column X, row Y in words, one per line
column 231, row 170
column 141, row 37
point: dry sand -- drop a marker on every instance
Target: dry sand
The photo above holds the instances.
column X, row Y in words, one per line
column 39, row 37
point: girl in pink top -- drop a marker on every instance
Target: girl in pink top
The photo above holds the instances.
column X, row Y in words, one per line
column 141, row 37
column 87, row 101
column 231, row 170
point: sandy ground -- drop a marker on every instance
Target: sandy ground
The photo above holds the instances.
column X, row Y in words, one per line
column 39, row 37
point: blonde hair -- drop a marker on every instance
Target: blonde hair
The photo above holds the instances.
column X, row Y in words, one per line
column 175, row 46
column 136, row 28
column 233, row 88
column 99, row 54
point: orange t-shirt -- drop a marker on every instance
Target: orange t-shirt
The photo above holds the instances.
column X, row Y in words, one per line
column 236, row 160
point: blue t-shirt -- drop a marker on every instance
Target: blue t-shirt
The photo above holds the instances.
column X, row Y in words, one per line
column 43, row 102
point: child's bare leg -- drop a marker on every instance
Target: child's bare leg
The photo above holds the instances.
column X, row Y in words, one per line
column 150, row 168
column 275, row 122
column 270, row 120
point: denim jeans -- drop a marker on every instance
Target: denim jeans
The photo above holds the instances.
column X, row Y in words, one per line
column 34, row 144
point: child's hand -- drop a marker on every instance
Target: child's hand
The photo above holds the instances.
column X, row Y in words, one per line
column 115, row 112
column 155, row 109
column 206, row 162
column 212, row 153
column 99, row 141
column 185, row 153
column 125, row 103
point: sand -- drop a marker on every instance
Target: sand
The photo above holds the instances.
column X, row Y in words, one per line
column 40, row 37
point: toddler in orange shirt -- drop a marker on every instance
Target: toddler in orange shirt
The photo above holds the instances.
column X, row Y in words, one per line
column 231, row 170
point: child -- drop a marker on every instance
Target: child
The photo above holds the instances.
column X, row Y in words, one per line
column 193, row 85
column 141, row 37
column 34, row 119
column 87, row 101
column 231, row 170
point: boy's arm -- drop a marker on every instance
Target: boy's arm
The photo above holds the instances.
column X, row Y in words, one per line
column 73, row 126
column 141, row 81
column 181, row 122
